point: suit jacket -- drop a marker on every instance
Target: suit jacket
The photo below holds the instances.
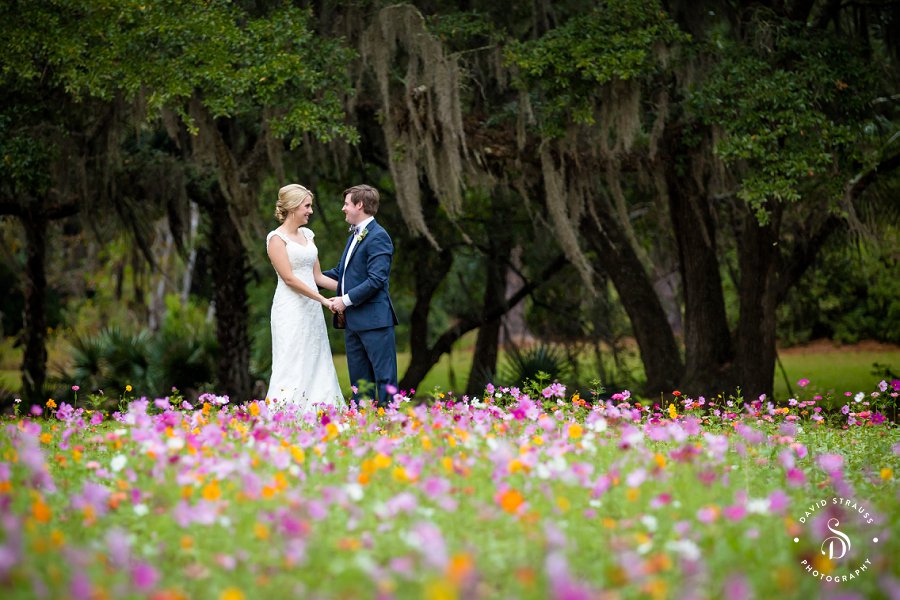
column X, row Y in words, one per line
column 367, row 280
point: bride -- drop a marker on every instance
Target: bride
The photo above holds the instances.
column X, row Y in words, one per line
column 302, row 368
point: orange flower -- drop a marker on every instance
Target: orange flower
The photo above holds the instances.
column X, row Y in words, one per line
column 511, row 500
column 211, row 491
column 40, row 511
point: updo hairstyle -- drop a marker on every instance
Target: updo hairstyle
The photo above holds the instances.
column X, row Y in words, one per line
column 290, row 197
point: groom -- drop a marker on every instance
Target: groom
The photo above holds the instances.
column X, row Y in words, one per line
column 363, row 295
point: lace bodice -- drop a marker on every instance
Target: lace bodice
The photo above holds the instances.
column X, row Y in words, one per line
column 302, row 258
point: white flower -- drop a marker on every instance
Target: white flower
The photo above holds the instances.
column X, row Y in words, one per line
column 117, row 463
column 175, row 443
column 759, row 506
column 599, row 425
column 354, row 491
column 141, row 509
column 684, row 548
column 649, row 522
column 859, row 397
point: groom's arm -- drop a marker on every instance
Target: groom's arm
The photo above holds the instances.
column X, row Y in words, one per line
column 380, row 253
column 331, row 273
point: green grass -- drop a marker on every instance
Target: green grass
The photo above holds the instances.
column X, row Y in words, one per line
column 834, row 371
column 828, row 369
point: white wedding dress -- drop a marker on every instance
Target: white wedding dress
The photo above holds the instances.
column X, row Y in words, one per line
column 302, row 368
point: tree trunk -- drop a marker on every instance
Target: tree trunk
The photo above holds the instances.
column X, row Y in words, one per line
column 656, row 341
column 487, row 345
column 431, row 267
column 759, row 257
column 229, row 267
column 424, row 357
column 708, row 345
column 34, row 359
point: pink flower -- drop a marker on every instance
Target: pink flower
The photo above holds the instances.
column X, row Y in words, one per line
column 736, row 588
column 707, row 514
column 803, row 382
column 830, row 463
column 734, row 513
column 778, row 502
column 75, row 388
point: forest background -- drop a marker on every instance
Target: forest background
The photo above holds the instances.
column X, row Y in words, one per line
column 692, row 184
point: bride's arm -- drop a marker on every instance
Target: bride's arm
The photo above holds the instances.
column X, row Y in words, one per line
column 322, row 280
column 277, row 251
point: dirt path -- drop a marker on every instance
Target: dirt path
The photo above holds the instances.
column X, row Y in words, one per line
column 828, row 346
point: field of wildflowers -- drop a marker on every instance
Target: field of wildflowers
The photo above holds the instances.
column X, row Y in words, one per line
column 520, row 494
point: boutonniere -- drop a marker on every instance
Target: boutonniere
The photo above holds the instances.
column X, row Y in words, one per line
column 361, row 235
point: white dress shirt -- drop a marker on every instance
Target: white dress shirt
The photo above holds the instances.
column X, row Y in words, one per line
column 360, row 227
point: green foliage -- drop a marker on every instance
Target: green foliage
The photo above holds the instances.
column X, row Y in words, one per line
column 181, row 354
column 538, row 363
column 618, row 40
column 851, row 296
column 171, row 52
column 793, row 111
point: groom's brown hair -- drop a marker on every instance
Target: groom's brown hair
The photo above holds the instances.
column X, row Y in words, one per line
column 365, row 194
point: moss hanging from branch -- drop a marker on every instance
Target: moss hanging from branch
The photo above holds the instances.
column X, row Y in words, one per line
column 565, row 227
column 422, row 119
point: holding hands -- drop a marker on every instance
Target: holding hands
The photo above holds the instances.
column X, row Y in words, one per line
column 335, row 305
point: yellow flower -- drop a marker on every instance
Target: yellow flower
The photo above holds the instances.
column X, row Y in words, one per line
column 887, row 473
column 575, row 431
column 673, row 414
column 231, row 594
column 128, row 388
column 254, row 409
column 51, row 403
column 46, row 438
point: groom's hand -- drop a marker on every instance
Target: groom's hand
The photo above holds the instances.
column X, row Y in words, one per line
column 337, row 304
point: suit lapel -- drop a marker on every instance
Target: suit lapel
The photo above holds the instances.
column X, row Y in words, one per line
column 341, row 267
column 369, row 228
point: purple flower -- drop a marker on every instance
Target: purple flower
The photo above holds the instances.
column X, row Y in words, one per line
column 118, row 546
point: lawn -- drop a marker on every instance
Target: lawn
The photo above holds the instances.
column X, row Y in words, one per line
column 532, row 494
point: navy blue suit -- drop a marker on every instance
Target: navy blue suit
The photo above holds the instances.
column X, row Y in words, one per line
column 369, row 334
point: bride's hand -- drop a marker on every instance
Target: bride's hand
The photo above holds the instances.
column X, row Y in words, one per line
column 328, row 303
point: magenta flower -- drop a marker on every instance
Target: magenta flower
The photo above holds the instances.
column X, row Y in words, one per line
column 144, row 576
column 803, row 382
column 734, row 513
column 796, row 478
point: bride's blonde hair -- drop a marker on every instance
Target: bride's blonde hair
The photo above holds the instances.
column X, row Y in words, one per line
column 290, row 197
